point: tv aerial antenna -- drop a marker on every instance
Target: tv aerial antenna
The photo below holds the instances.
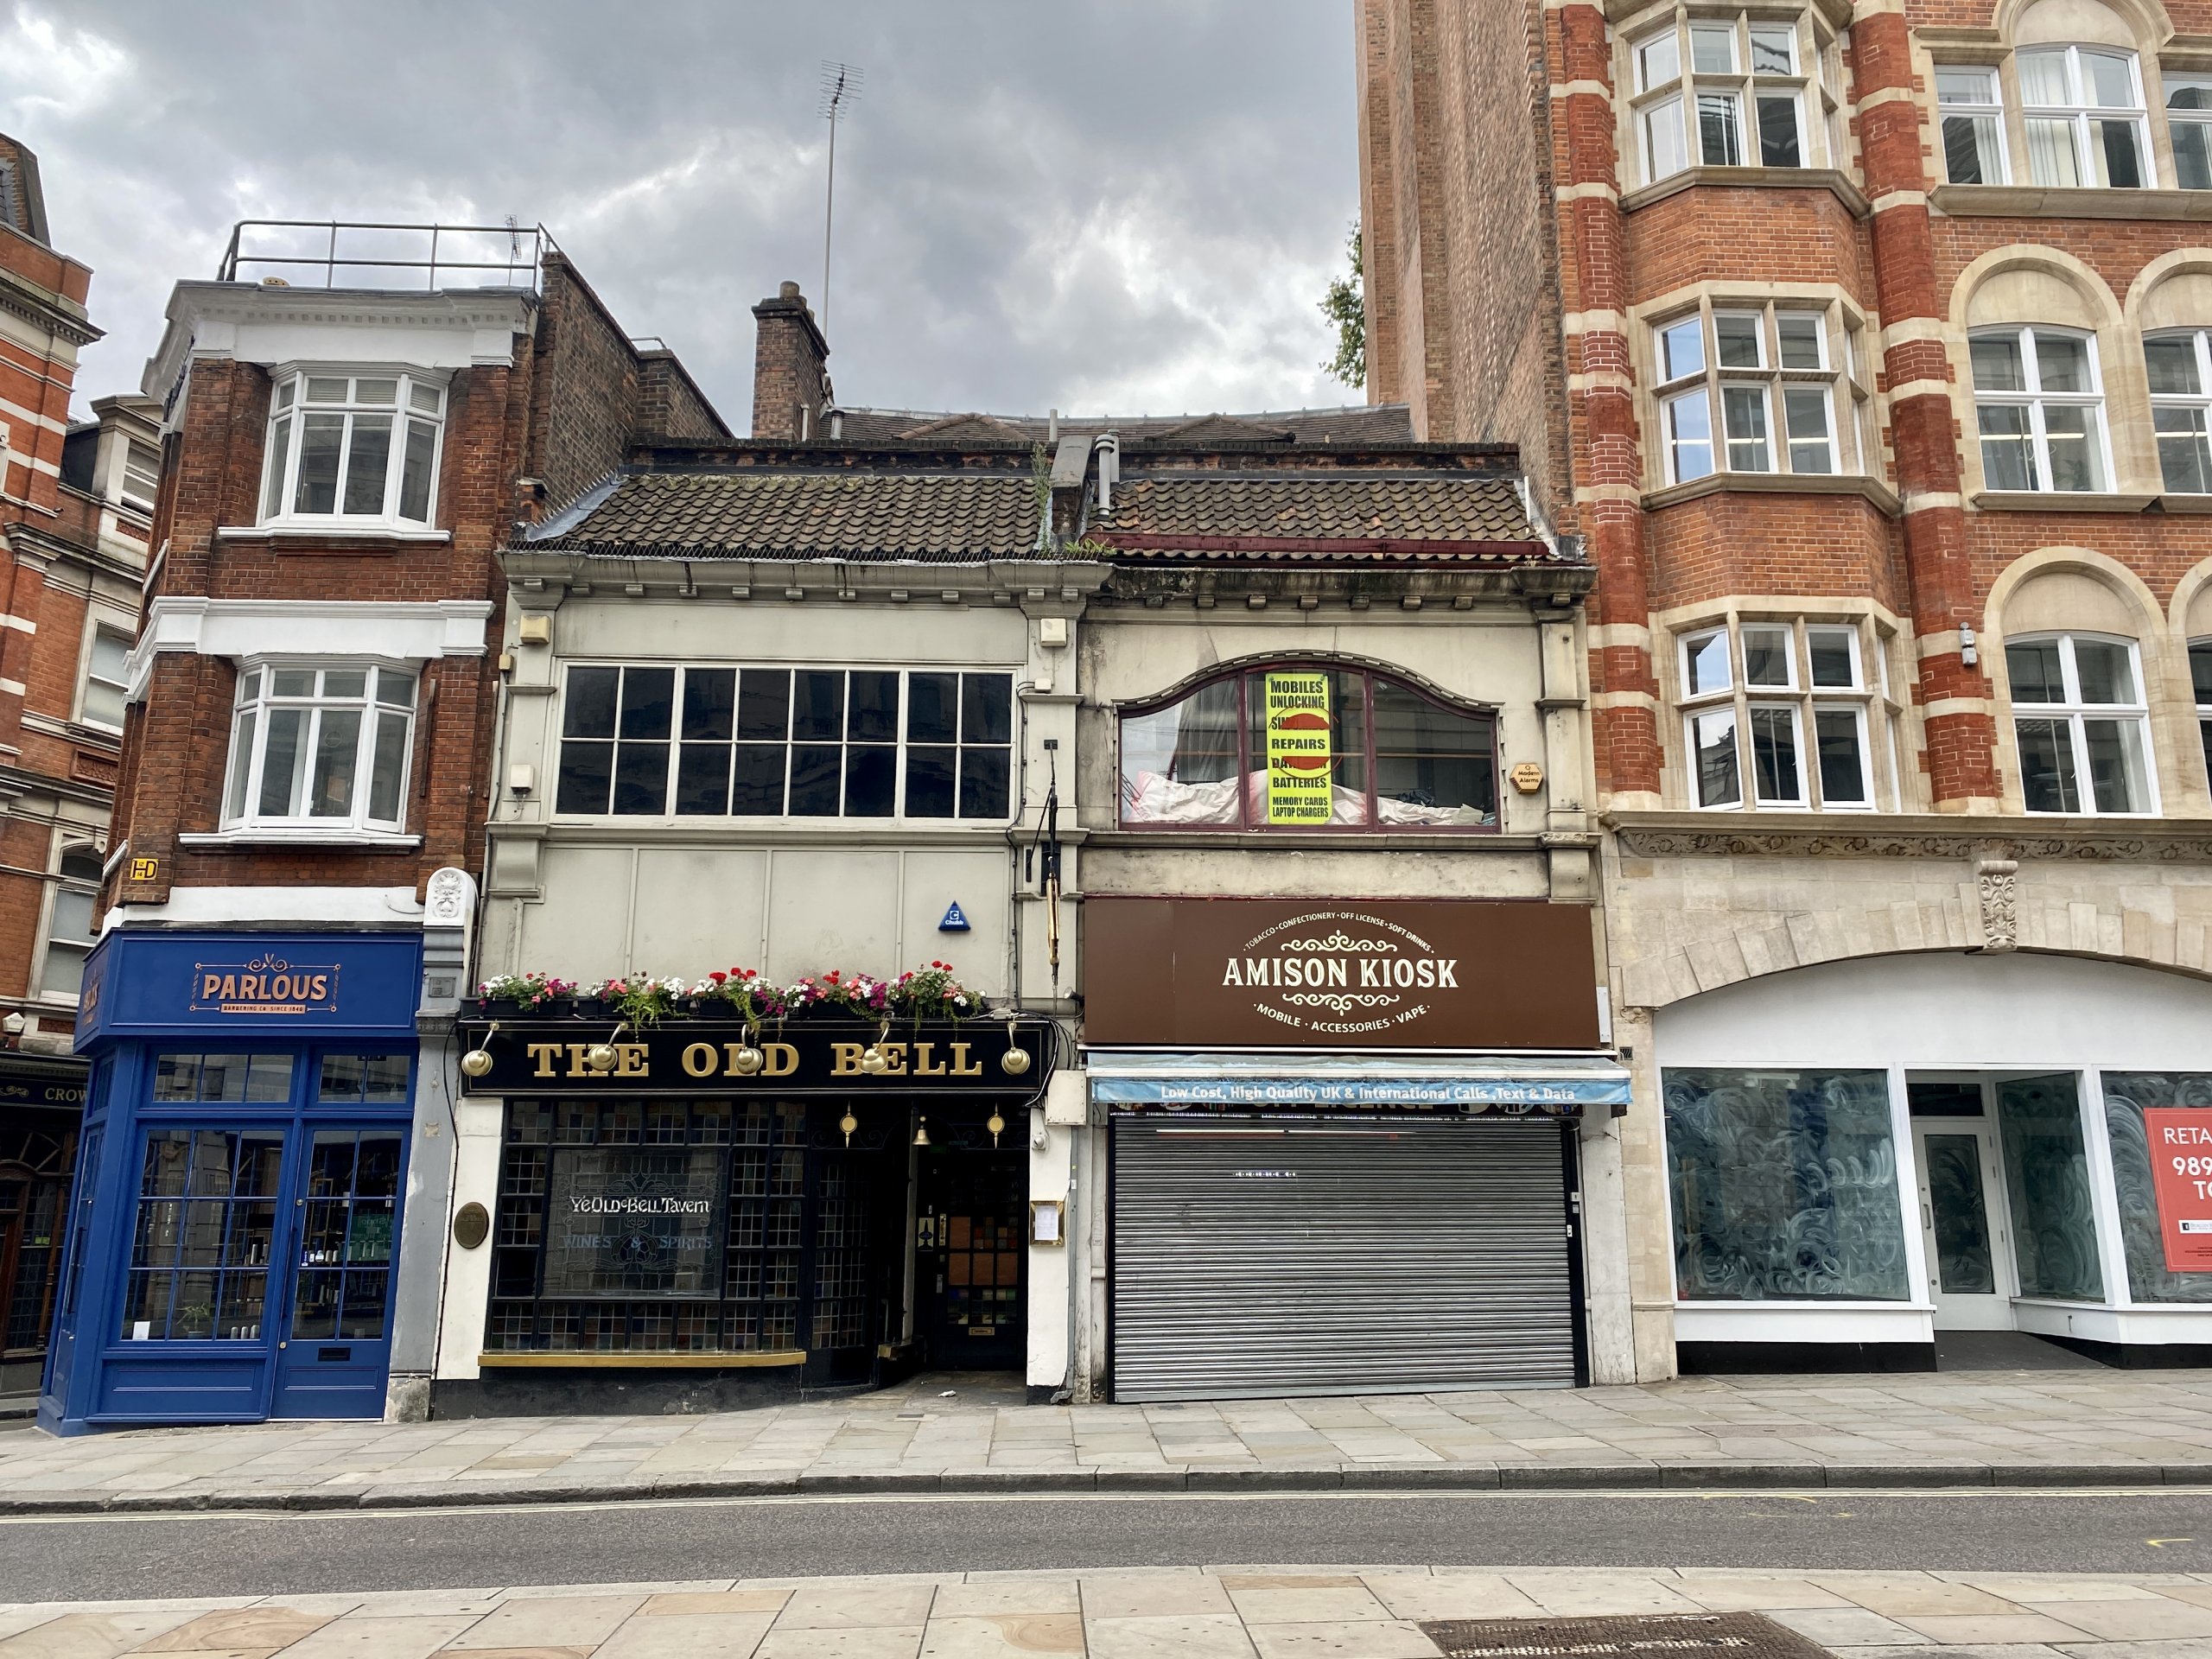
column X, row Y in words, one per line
column 841, row 90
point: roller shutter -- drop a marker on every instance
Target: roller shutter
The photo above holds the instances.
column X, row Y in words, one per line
column 1254, row 1258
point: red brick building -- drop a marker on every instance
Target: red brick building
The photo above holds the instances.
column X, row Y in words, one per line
column 75, row 499
column 305, row 778
column 1868, row 348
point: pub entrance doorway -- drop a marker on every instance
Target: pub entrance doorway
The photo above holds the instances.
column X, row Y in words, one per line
column 971, row 1255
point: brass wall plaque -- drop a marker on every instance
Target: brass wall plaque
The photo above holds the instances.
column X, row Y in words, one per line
column 472, row 1225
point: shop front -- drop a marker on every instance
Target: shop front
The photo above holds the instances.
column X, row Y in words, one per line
column 1866, row 1157
column 1342, row 1141
column 41, row 1103
column 232, row 1236
column 706, row 1213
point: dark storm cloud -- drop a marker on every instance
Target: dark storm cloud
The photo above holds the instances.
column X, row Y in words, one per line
column 1117, row 206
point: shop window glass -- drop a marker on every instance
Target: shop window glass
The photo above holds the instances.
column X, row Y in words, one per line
column 2047, row 1175
column 778, row 742
column 343, row 1286
column 201, row 1239
column 1307, row 746
column 780, row 1189
column 1784, row 1186
column 2127, row 1095
column 369, row 1080
column 261, row 1079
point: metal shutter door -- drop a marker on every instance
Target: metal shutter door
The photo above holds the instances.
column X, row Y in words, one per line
column 1252, row 1259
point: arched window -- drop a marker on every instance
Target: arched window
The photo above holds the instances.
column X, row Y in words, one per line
column 2200, row 674
column 2039, row 404
column 1309, row 745
column 2082, row 723
column 2081, row 108
column 2180, row 369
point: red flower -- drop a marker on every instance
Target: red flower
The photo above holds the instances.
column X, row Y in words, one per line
column 718, row 976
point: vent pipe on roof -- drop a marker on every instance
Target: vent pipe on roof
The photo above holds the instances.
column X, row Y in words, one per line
column 1051, row 427
column 1108, row 448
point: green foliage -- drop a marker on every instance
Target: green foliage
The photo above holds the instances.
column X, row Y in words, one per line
column 1344, row 305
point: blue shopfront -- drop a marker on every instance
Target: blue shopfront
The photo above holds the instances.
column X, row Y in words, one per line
column 233, row 1232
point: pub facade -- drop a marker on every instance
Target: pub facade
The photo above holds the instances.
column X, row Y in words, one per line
column 774, row 987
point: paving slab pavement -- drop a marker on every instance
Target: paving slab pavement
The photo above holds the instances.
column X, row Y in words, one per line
column 1239, row 1612
column 942, row 1433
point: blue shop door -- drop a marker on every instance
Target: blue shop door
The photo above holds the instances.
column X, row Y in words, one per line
column 333, row 1350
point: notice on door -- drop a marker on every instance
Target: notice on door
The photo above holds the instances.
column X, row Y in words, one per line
column 2181, row 1174
column 1301, row 781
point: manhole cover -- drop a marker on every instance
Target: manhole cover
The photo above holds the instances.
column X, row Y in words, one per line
column 1734, row 1636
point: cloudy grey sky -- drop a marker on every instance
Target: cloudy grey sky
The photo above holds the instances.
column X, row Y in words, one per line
column 1111, row 205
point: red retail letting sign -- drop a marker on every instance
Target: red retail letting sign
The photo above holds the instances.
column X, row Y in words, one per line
column 2181, row 1174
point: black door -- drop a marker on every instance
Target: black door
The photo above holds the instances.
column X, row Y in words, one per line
column 971, row 1262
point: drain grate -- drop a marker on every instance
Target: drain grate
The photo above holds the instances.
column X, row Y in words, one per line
column 1727, row 1636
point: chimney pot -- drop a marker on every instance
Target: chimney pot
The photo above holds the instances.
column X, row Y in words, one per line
column 787, row 290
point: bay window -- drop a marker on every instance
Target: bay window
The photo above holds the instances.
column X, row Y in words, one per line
column 1308, row 746
column 1759, row 91
column 1774, row 380
column 1785, row 714
column 320, row 748
column 2081, row 111
column 2039, row 406
column 358, row 448
column 2081, row 723
column 2180, row 372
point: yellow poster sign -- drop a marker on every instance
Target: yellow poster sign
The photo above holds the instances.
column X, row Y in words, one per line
column 1300, row 728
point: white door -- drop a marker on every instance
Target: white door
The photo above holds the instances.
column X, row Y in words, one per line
column 1963, row 1223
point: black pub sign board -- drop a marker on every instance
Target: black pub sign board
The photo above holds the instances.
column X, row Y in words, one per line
column 699, row 1057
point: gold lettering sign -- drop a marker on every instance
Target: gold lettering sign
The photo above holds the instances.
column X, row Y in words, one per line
column 145, row 870
column 268, row 984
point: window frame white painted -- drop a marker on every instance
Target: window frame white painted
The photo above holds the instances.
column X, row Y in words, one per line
column 257, row 695
column 2198, row 403
column 1726, row 389
column 2036, row 402
column 2076, row 714
column 290, row 408
column 1739, row 700
column 2077, row 114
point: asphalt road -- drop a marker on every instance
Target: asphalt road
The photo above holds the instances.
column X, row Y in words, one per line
column 109, row 1558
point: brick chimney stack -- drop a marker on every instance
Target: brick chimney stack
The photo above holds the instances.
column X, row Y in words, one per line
column 791, row 372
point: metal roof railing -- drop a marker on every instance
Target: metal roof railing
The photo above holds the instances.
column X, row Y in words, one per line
column 357, row 253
